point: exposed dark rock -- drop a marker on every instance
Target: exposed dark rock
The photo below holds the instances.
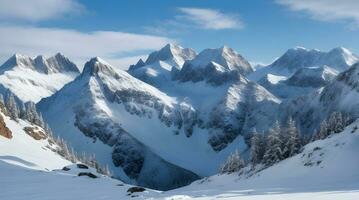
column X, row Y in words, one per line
column 4, row 130
column 82, row 166
column 135, row 189
column 89, row 174
column 66, row 169
column 35, row 133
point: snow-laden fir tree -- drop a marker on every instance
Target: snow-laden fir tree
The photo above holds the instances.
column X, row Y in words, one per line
column 292, row 144
column 273, row 153
column 257, row 148
column 32, row 115
column 323, row 131
column 233, row 163
column 11, row 106
column 22, row 111
column 336, row 123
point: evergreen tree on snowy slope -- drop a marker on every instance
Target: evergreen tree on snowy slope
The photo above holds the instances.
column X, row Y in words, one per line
column 273, row 152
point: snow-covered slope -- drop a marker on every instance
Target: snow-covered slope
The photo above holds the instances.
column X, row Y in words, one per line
column 216, row 66
column 312, row 77
column 158, row 66
column 339, row 59
column 326, row 169
column 303, row 81
column 339, row 96
column 120, row 119
column 32, row 79
column 30, row 168
column 226, row 57
column 25, row 151
column 19, row 183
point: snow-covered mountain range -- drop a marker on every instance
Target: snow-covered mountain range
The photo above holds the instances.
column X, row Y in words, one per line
column 158, row 66
column 339, row 59
column 301, row 71
column 32, row 79
column 177, row 116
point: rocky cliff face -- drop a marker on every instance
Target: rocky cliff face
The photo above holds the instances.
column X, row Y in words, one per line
column 4, row 130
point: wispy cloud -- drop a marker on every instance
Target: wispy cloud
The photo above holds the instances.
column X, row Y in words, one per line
column 37, row 10
column 189, row 18
column 210, row 18
column 326, row 10
column 79, row 46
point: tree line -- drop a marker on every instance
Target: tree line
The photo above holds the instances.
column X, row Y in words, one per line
column 16, row 109
column 281, row 142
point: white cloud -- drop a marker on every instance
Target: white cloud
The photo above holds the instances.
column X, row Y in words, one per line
column 210, row 18
column 78, row 46
column 326, row 10
column 37, row 10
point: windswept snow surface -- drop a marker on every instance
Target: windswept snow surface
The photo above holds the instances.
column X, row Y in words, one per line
column 19, row 183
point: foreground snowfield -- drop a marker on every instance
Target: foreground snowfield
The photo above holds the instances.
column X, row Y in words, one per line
column 21, row 183
column 29, row 169
column 326, row 169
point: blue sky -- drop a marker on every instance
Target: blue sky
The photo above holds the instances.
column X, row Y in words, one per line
column 123, row 31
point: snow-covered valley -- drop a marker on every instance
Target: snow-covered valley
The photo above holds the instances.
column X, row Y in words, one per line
column 169, row 124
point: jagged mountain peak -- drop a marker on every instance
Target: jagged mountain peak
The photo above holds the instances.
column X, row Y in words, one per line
column 224, row 56
column 97, row 65
column 140, row 63
column 171, row 52
column 226, row 49
column 341, row 50
column 343, row 55
column 338, row 58
column 55, row 64
column 16, row 59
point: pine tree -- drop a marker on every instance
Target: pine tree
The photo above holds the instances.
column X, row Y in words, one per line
column 257, row 148
column 292, row 141
column 323, row 131
column 336, row 123
column 32, row 115
column 41, row 120
column 233, row 163
column 273, row 153
column 22, row 111
column 12, row 106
